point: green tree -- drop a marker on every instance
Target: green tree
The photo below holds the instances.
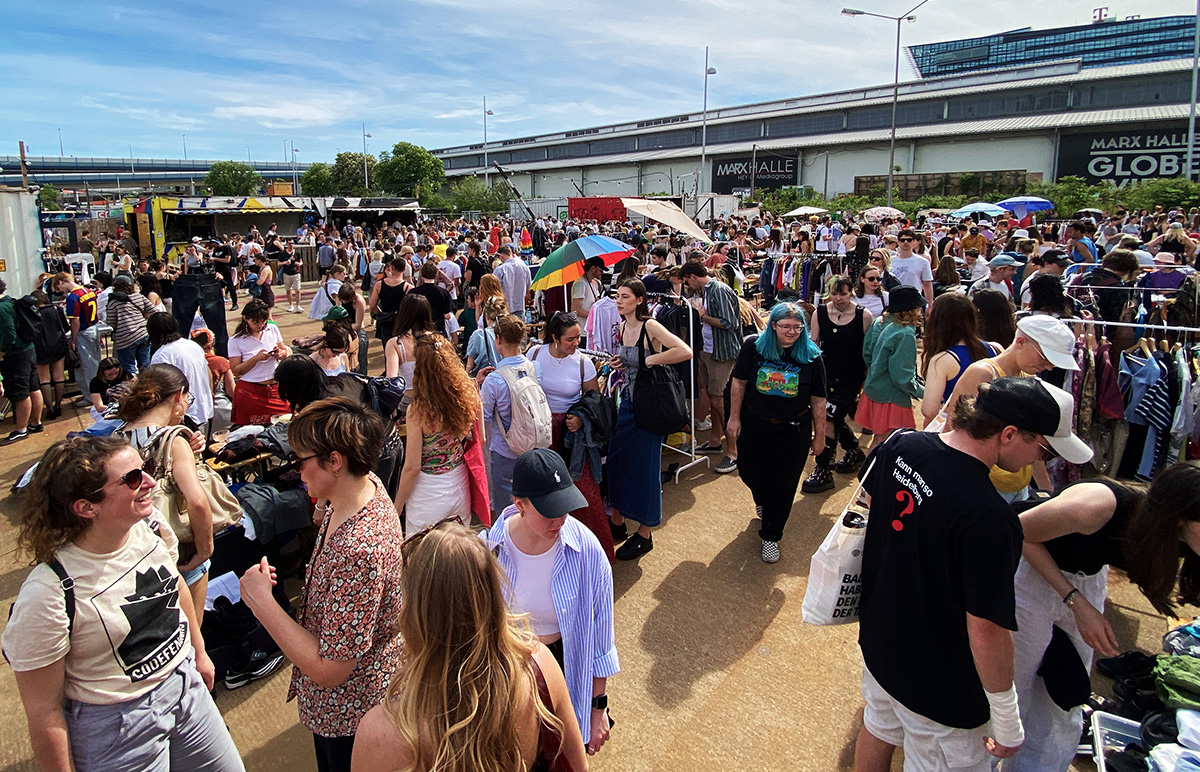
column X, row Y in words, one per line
column 409, row 169
column 347, row 174
column 48, row 198
column 469, row 194
column 318, row 180
column 230, row 178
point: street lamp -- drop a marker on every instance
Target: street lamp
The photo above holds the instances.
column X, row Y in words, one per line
column 704, row 122
column 185, row 147
column 486, row 113
column 61, row 154
column 366, row 182
column 851, row 12
column 131, row 171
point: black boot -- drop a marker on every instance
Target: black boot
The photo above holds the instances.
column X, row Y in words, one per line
column 819, row 481
column 850, row 462
column 636, row 546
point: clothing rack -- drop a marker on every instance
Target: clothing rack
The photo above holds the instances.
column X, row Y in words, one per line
column 695, row 459
column 1147, row 325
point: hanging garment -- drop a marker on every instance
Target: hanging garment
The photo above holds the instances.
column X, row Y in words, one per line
column 1109, row 403
column 1157, row 412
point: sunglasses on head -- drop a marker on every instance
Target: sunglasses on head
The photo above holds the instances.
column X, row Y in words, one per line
column 407, row 544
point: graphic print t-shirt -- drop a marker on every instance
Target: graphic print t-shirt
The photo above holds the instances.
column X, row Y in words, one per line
column 777, row 389
column 940, row 544
column 130, row 631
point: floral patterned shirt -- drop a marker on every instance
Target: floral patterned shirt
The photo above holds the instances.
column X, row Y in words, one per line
column 351, row 603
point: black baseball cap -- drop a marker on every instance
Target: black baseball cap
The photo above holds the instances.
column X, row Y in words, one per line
column 1058, row 257
column 541, row 476
column 1035, row 406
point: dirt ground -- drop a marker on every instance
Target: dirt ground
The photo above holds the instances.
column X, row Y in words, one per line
column 717, row 670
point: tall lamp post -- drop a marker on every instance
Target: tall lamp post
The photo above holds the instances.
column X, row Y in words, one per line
column 185, row 147
column 704, row 122
column 1191, row 145
column 61, row 154
column 895, row 82
column 366, row 182
column 486, row 113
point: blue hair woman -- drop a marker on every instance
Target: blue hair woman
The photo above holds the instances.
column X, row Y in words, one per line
column 776, row 410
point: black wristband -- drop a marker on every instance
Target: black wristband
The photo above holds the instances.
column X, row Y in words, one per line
column 600, row 702
column 1070, row 596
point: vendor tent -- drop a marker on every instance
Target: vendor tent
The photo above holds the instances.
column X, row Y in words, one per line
column 805, row 210
column 668, row 214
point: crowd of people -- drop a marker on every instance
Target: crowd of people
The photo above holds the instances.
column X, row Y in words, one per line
column 471, row 497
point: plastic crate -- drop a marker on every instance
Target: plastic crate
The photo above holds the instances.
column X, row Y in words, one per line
column 1111, row 731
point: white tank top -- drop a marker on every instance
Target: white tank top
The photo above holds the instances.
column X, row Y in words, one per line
column 531, row 589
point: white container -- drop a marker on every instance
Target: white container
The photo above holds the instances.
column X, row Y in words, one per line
column 1110, row 731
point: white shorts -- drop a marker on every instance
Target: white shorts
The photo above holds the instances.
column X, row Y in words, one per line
column 291, row 282
column 928, row 745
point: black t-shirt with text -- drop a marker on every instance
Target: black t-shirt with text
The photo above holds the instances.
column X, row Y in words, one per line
column 940, row 544
column 778, row 390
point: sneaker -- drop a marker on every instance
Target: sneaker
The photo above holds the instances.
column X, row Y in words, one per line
column 707, row 448
column 726, row 466
column 704, row 425
column 619, row 532
column 16, row 435
column 83, row 402
column 36, row 429
column 636, row 546
column 819, row 481
column 850, row 462
column 259, row 665
column 770, row 551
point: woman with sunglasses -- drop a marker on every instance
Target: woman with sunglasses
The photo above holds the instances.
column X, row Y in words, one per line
column 1071, row 541
column 881, row 259
column 158, row 401
column 254, row 350
column 112, row 672
column 869, row 292
column 475, row 689
column 343, row 642
column 566, row 375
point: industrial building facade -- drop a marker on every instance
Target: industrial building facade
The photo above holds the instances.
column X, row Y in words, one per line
column 1043, row 121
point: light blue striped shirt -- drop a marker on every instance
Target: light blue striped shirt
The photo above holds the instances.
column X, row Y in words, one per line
column 581, row 586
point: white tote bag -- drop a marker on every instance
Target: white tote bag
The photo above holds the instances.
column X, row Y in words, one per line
column 835, row 573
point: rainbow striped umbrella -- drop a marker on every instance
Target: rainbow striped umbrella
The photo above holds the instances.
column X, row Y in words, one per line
column 565, row 264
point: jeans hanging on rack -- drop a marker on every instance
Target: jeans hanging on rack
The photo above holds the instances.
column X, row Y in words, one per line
column 766, row 280
column 203, row 291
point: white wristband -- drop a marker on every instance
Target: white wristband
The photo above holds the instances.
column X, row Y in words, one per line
column 1006, row 718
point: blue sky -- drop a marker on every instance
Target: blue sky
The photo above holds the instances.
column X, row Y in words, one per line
column 254, row 74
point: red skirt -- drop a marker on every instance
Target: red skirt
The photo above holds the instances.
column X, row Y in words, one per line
column 882, row 417
column 594, row 516
column 255, row 403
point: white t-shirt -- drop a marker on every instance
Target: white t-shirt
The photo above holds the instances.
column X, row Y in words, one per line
column 451, row 269
column 189, row 357
column 586, row 291
column 560, row 377
column 247, row 346
column 531, row 585
column 912, row 271
column 129, row 632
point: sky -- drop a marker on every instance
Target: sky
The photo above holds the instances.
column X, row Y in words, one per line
column 237, row 80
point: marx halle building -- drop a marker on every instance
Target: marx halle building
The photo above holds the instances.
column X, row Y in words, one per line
column 1106, row 102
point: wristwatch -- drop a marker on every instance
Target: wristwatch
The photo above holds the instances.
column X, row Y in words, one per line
column 600, row 702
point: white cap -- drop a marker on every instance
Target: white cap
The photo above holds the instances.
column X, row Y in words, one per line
column 1053, row 337
column 1064, row 441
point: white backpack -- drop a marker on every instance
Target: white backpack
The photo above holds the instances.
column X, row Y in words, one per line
column 531, row 420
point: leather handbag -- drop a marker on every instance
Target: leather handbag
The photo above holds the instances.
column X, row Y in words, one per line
column 225, row 508
column 659, row 398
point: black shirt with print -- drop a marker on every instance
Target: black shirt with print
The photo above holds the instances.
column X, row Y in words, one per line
column 778, row 390
column 940, row 544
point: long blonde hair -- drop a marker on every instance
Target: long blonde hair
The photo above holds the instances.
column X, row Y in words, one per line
column 466, row 660
column 489, row 287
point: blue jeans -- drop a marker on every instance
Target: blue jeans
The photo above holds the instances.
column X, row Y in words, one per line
column 135, row 357
column 202, row 291
column 174, row 726
column 501, row 481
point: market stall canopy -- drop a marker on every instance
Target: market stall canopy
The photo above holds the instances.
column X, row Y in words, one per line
column 979, row 207
column 805, row 210
column 668, row 214
column 1023, row 205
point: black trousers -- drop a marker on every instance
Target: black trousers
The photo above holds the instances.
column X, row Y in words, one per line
column 202, row 291
column 770, row 461
column 333, row 753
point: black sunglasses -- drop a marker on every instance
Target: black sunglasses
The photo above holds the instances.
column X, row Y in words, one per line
column 570, row 316
column 133, row 478
column 296, row 460
column 421, row 534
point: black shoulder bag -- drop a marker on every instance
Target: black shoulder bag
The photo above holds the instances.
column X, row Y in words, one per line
column 659, row 403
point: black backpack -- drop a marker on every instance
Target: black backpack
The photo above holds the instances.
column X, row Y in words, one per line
column 27, row 319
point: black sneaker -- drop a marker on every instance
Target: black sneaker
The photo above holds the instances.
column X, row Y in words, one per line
column 36, row 428
column 819, row 481
column 16, row 435
column 260, row 665
column 619, row 532
column 849, row 463
column 634, row 547
column 726, row 466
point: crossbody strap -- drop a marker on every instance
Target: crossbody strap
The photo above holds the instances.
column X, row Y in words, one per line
column 68, row 588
